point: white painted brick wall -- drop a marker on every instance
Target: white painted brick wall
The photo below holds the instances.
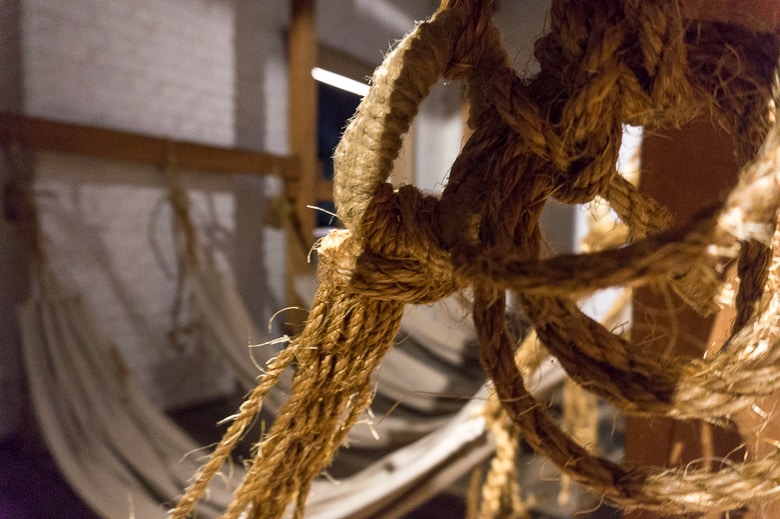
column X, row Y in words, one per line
column 164, row 67
column 102, row 220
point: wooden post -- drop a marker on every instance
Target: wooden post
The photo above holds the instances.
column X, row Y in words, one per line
column 302, row 51
column 686, row 170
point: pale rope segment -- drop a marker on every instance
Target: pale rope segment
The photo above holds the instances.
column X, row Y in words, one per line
column 603, row 64
column 500, row 492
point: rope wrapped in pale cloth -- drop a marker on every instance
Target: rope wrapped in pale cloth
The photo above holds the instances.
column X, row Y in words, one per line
column 603, row 64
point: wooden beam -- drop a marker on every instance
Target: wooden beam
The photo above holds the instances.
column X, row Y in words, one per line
column 324, row 189
column 302, row 48
column 302, row 53
column 43, row 134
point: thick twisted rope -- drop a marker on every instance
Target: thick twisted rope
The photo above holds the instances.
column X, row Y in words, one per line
column 557, row 135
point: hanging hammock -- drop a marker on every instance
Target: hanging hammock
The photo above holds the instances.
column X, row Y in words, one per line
column 120, row 453
column 603, row 64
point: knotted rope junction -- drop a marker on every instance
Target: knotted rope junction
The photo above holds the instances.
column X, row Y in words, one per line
column 603, row 64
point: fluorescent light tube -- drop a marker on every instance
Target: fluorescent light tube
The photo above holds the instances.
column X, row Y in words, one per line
column 339, row 81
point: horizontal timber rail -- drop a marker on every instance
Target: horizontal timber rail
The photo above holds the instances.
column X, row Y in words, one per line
column 48, row 135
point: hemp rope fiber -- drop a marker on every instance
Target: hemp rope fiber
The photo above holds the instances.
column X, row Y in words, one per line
column 604, row 63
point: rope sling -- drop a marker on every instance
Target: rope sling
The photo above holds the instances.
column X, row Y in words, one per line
column 603, row 64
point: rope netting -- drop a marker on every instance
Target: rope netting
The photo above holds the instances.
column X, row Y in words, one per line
column 603, row 64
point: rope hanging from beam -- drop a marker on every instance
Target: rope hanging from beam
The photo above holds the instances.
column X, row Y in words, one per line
column 604, row 63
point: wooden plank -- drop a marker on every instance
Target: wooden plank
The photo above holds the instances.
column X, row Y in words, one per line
column 48, row 135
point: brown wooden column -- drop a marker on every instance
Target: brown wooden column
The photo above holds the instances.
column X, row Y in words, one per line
column 686, row 170
column 302, row 49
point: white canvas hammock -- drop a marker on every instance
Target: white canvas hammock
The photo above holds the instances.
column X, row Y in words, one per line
column 121, row 454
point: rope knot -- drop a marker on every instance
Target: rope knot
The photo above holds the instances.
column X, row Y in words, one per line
column 395, row 253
